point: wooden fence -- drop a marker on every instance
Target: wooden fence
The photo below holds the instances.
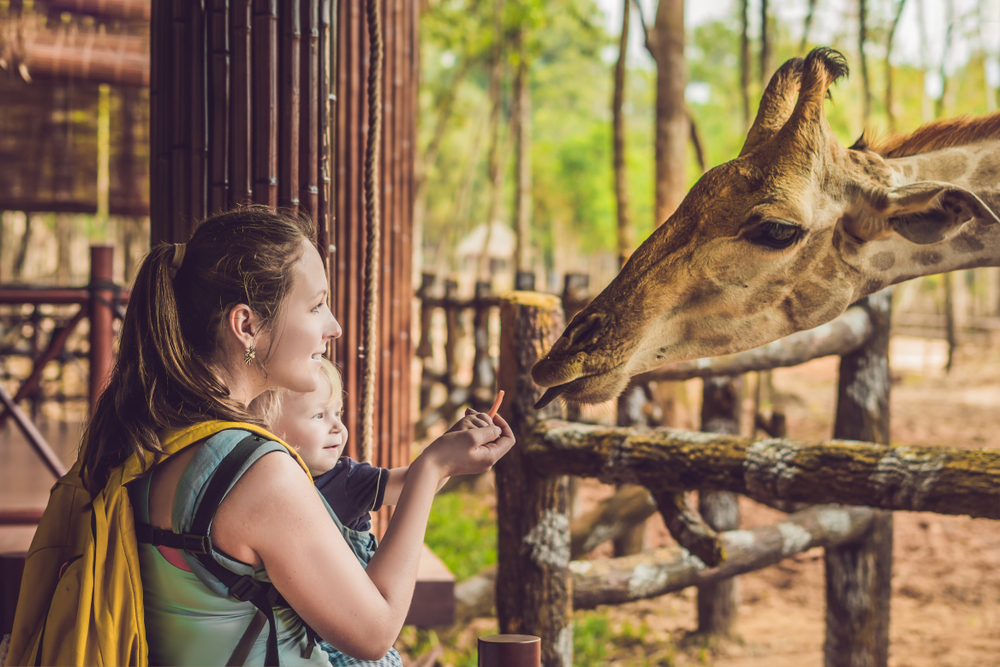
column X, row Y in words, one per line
column 449, row 326
column 849, row 481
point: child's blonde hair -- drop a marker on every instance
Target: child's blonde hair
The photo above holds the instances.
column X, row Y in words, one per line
column 268, row 404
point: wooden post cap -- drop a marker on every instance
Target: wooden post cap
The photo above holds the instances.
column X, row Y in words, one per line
column 510, row 651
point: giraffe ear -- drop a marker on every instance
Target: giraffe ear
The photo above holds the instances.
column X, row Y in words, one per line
column 924, row 212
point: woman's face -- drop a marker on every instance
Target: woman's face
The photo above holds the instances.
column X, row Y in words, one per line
column 298, row 340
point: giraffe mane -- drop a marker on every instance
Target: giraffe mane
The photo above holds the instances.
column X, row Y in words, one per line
column 959, row 131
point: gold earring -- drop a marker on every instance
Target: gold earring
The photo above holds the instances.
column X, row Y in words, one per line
column 249, row 355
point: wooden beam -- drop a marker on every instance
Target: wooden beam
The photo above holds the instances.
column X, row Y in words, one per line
column 946, row 480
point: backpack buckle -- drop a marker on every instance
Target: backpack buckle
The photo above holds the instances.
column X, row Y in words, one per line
column 197, row 544
column 245, row 588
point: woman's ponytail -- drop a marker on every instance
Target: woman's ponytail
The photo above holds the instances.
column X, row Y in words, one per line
column 165, row 375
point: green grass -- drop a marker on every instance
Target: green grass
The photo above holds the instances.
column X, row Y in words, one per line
column 462, row 532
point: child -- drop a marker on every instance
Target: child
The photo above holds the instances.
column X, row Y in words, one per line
column 311, row 423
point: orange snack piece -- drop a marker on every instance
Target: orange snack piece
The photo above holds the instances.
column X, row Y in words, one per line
column 496, row 405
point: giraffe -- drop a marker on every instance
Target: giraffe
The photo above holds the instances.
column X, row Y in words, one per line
column 785, row 237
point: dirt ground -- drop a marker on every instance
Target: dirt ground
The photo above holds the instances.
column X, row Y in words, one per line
column 946, row 572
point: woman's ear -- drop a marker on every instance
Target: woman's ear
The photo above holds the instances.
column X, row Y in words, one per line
column 242, row 326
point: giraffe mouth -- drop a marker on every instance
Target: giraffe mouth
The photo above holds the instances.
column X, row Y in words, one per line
column 593, row 388
column 551, row 394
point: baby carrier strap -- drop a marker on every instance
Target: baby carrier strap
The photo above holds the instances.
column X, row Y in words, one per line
column 198, row 542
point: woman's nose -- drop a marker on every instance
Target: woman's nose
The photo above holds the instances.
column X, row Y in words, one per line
column 333, row 329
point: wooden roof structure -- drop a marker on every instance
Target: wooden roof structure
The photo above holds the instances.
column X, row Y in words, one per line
column 53, row 58
column 247, row 100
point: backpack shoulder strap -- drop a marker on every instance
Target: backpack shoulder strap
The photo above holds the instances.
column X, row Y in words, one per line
column 198, row 542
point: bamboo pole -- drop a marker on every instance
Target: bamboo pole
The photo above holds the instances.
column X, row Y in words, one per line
column 533, row 586
column 264, row 116
column 289, row 102
column 309, row 68
column 197, row 158
column 217, row 99
column 240, row 103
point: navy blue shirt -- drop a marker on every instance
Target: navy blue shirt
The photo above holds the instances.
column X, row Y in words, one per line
column 353, row 490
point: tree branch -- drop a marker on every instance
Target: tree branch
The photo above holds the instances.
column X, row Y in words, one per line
column 648, row 34
column 669, row 569
column 946, row 480
column 665, row 570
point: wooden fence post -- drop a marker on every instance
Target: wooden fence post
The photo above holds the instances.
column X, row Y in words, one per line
column 425, row 350
column 102, row 333
column 858, row 574
column 533, row 594
column 453, row 331
column 483, row 375
column 720, row 413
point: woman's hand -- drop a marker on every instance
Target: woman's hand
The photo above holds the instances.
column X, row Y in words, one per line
column 473, row 445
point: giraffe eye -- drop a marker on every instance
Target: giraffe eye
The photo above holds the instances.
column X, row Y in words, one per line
column 776, row 234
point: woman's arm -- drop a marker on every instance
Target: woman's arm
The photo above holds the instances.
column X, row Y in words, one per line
column 397, row 476
column 274, row 517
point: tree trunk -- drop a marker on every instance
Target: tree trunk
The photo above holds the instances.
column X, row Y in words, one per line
column 672, row 125
column 522, row 164
column 493, row 159
column 862, row 38
column 534, row 592
column 890, row 111
column 951, row 334
column 807, row 26
column 745, row 62
column 424, row 163
column 765, row 44
column 858, row 574
column 941, row 103
column 625, row 239
column 720, row 413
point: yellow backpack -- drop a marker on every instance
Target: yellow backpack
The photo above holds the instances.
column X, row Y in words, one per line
column 80, row 601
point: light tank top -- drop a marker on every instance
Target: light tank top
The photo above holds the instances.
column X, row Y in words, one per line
column 190, row 620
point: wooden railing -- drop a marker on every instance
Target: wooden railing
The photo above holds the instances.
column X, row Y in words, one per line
column 99, row 303
column 851, row 480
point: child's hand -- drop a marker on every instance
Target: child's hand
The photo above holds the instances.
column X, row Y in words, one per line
column 472, row 419
column 472, row 446
column 465, row 423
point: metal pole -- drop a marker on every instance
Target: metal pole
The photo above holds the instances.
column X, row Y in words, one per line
column 101, row 320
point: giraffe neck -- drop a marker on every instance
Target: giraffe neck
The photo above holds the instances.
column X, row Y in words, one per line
column 975, row 167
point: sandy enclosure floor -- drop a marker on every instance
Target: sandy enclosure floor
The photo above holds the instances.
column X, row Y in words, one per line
column 946, row 571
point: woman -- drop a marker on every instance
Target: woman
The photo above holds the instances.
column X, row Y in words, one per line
column 240, row 309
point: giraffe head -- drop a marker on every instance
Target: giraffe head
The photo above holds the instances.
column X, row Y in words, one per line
column 781, row 239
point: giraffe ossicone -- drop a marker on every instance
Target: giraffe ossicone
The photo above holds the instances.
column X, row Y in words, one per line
column 786, row 236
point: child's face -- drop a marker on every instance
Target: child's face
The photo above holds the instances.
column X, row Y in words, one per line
column 311, row 424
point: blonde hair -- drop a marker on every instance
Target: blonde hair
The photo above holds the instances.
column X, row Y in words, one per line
column 268, row 405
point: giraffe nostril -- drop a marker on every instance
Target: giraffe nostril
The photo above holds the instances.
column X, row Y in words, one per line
column 585, row 330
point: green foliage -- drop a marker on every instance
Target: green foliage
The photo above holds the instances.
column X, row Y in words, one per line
column 571, row 55
column 598, row 640
column 462, row 532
